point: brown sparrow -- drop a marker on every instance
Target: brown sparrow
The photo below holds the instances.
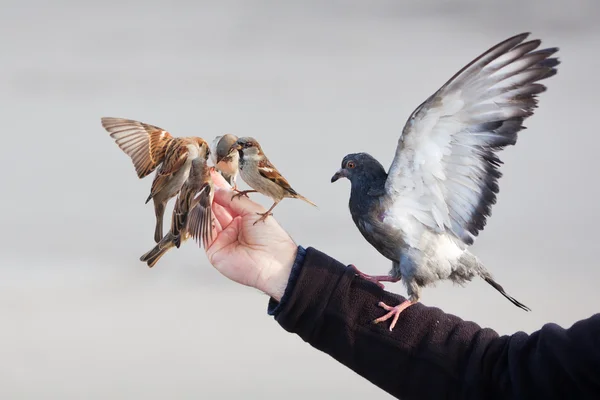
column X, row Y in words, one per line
column 262, row 176
column 150, row 146
column 192, row 214
column 225, row 162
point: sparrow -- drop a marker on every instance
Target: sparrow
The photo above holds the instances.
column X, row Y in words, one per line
column 192, row 214
column 428, row 208
column 225, row 162
column 262, row 176
column 150, row 146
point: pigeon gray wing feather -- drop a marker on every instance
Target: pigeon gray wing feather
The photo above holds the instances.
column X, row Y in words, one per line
column 445, row 171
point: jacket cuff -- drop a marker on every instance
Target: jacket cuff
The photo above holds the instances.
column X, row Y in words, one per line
column 274, row 307
column 310, row 294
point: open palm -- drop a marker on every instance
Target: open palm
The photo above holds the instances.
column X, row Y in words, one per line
column 258, row 255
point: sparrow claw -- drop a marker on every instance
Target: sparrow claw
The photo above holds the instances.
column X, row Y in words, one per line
column 393, row 312
column 262, row 218
column 241, row 193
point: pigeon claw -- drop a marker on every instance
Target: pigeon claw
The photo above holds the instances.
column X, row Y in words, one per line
column 376, row 279
column 392, row 312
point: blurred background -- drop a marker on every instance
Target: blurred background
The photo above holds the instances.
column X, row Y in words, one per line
column 82, row 318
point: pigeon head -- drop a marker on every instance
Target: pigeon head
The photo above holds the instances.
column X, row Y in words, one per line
column 360, row 168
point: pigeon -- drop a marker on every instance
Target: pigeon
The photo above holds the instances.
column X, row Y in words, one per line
column 262, row 176
column 426, row 211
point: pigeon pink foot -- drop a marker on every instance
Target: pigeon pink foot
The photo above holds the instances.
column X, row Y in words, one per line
column 376, row 279
column 393, row 312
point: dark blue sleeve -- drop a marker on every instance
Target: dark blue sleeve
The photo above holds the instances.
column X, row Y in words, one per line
column 432, row 354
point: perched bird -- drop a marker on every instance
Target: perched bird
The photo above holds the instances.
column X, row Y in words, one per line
column 150, row 146
column 192, row 214
column 225, row 162
column 262, row 176
column 427, row 209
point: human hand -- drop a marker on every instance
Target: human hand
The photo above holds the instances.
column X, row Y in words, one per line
column 260, row 255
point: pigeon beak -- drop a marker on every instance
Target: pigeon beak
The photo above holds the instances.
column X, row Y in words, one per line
column 340, row 174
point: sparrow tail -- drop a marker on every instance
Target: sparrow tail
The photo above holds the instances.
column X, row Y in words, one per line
column 152, row 257
column 299, row 196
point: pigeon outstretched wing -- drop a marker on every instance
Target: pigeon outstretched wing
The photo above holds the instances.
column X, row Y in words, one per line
column 444, row 176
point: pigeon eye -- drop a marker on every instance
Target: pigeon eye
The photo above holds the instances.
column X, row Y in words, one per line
column 350, row 165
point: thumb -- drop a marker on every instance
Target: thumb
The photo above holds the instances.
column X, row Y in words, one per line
column 228, row 236
column 239, row 205
column 218, row 180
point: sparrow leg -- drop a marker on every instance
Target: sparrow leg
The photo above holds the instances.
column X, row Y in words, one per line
column 393, row 312
column 376, row 279
column 266, row 214
column 241, row 193
column 159, row 212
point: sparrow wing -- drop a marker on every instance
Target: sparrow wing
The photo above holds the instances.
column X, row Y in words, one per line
column 445, row 171
column 180, row 213
column 176, row 155
column 145, row 144
column 268, row 170
column 175, row 158
column 189, row 196
column 200, row 223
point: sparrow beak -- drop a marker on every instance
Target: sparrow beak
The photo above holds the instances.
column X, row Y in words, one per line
column 234, row 148
column 340, row 174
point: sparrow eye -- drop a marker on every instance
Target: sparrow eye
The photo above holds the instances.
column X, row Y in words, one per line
column 350, row 165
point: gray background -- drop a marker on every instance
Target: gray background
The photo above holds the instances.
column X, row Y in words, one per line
column 312, row 80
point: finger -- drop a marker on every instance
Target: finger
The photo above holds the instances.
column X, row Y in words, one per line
column 218, row 180
column 222, row 215
column 216, row 229
column 227, row 237
column 239, row 205
column 217, row 225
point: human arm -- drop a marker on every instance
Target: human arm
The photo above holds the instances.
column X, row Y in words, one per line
column 430, row 354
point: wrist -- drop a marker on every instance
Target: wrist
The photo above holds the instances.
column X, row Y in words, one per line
column 279, row 302
column 276, row 279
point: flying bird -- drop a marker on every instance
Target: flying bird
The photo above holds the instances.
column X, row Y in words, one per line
column 150, row 146
column 225, row 162
column 262, row 176
column 192, row 214
column 428, row 208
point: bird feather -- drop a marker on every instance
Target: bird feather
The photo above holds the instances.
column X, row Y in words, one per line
column 445, row 171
